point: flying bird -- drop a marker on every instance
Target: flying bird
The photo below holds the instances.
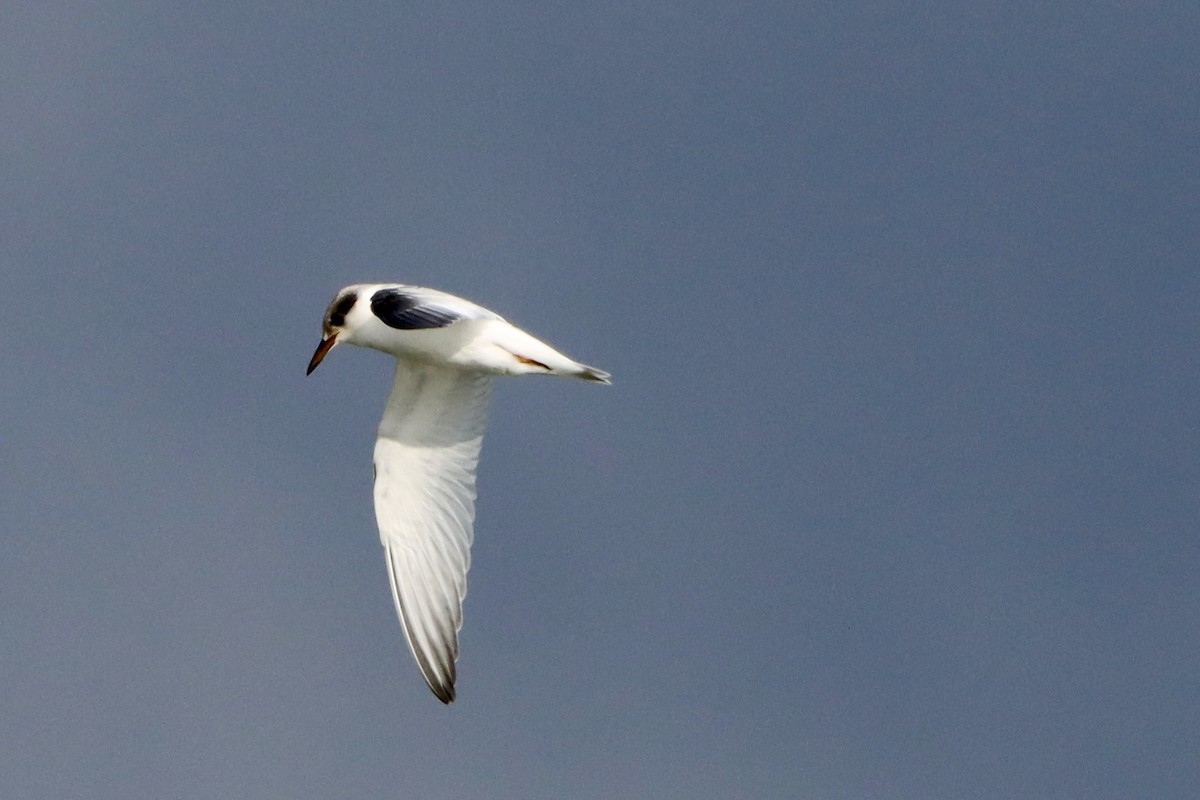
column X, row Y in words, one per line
column 447, row 349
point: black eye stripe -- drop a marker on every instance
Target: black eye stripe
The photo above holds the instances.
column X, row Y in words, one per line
column 337, row 315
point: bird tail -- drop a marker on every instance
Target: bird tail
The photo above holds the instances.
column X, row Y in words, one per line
column 587, row 373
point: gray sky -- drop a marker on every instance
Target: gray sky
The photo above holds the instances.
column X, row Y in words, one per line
column 895, row 494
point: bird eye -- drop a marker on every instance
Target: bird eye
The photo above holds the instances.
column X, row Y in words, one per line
column 337, row 315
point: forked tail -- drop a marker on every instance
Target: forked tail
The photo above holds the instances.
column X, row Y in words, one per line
column 592, row 374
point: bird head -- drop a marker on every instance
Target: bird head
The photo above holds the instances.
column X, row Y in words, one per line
column 338, row 324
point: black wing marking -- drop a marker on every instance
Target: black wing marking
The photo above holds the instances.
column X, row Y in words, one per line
column 407, row 312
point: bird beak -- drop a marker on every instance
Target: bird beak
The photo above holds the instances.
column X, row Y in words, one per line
column 324, row 347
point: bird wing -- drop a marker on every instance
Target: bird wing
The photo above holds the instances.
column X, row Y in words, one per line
column 414, row 308
column 425, row 457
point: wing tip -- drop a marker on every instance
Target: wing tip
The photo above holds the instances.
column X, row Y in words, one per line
column 440, row 679
column 444, row 692
column 434, row 660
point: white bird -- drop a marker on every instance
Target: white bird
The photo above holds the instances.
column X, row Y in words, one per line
column 447, row 350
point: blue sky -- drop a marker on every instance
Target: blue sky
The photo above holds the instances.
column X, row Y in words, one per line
column 895, row 493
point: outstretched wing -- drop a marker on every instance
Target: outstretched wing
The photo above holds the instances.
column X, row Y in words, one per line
column 425, row 457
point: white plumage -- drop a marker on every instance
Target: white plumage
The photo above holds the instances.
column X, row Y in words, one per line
column 446, row 351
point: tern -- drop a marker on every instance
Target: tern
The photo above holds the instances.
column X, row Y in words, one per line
column 447, row 349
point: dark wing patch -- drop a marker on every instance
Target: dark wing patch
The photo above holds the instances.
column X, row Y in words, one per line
column 403, row 311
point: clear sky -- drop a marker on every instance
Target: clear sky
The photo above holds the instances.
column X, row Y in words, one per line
column 896, row 492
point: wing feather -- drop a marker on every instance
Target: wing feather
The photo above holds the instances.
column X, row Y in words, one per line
column 425, row 457
column 409, row 308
